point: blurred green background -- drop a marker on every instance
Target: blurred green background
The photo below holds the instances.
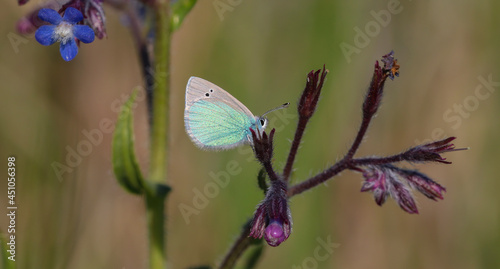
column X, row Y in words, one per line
column 261, row 52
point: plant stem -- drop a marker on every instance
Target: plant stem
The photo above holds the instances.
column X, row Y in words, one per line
column 377, row 160
column 359, row 137
column 239, row 246
column 156, row 221
column 147, row 71
column 301, row 127
column 319, row 178
column 160, row 115
column 270, row 171
column 140, row 41
column 345, row 163
column 155, row 201
column 339, row 167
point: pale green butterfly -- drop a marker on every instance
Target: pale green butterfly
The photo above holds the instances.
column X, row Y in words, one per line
column 215, row 120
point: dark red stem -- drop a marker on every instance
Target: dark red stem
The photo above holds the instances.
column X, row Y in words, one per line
column 301, row 127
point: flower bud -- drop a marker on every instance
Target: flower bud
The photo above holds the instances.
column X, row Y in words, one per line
column 272, row 219
column 431, row 151
column 310, row 96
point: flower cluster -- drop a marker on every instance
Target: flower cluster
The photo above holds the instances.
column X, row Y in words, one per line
column 272, row 219
column 387, row 180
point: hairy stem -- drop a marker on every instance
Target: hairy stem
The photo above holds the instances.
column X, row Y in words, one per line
column 237, row 249
column 377, row 160
column 359, row 137
column 301, row 127
column 345, row 163
column 270, row 171
column 319, row 178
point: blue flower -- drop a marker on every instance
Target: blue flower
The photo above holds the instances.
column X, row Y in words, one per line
column 63, row 30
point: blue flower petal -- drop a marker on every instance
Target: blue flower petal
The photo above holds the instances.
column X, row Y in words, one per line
column 72, row 15
column 45, row 35
column 84, row 33
column 68, row 50
column 49, row 15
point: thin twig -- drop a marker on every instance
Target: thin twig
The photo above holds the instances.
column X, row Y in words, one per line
column 301, row 127
column 365, row 123
column 319, row 178
column 239, row 246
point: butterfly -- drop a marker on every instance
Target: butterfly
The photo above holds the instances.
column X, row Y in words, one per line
column 215, row 120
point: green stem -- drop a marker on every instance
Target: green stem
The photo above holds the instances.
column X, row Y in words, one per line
column 155, row 200
column 156, row 220
column 160, row 115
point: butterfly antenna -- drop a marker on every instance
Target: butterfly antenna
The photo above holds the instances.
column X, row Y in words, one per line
column 285, row 105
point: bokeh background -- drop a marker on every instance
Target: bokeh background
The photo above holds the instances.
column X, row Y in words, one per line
column 261, row 52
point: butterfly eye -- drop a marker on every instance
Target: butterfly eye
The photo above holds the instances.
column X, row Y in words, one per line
column 262, row 122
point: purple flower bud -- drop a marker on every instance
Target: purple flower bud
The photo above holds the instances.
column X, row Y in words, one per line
column 275, row 233
column 259, row 221
column 22, row 2
column 431, row 151
column 25, row 26
column 93, row 14
column 95, row 17
column 423, row 184
column 374, row 95
column 263, row 145
column 383, row 182
column 29, row 23
column 403, row 197
column 76, row 4
column 310, row 96
column 263, row 149
column 375, row 181
column 272, row 219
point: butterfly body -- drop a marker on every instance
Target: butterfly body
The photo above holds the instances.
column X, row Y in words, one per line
column 215, row 120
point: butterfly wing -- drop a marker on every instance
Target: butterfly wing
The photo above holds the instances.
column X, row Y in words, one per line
column 213, row 118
